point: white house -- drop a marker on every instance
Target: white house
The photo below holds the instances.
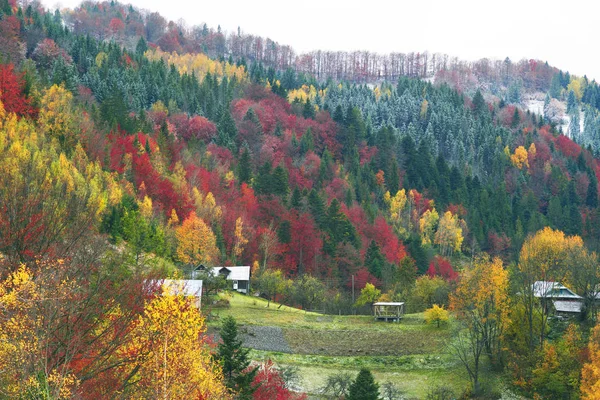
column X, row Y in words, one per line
column 564, row 300
column 239, row 276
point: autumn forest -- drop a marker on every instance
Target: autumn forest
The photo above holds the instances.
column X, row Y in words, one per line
column 134, row 149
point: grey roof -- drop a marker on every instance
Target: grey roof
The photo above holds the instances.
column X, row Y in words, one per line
column 568, row 306
column 554, row 290
column 387, row 303
column 184, row 286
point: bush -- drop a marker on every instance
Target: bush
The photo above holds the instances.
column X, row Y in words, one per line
column 436, row 314
column 440, row 393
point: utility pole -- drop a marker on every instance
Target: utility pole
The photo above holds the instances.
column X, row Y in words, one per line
column 353, row 289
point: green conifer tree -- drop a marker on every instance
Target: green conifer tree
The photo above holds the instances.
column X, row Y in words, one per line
column 364, row 387
column 234, row 361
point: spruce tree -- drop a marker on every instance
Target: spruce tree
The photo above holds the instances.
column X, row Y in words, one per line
column 279, row 181
column 374, row 260
column 516, row 119
column 296, row 199
column 234, row 361
column 364, row 387
column 317, row 208
column 592, row 192
column 479, row 106
column 244, row 168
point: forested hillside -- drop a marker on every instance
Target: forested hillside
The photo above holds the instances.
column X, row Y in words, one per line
column 132, row 148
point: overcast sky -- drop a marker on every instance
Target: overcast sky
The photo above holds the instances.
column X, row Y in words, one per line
column 564, row 33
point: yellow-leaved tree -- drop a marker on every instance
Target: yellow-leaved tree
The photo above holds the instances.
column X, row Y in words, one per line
column 547, row 258
column 240, row 239
column 590, row 374
column 173, row 359
column 196, row 242
column 520, row 158
column 427, row 225
column 449, row 235
column 25, row 370
column 57, row 116
column 399, row 215
column 481, row 303
column 48, row 198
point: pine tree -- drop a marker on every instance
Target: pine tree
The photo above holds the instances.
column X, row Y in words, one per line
column 227, row 130
column 479, row 106
column 364, row 387
column 296, row 199
column 317, row 208
column 374, row 260
column 592, row 192
column 516, row 119
column 284, row 233
column 279, row 181
column 308, row 111
column 141, row 46
column 235, row 362
column 244, row 168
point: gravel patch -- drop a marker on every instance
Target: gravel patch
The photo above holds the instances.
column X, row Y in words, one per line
column 267, row 338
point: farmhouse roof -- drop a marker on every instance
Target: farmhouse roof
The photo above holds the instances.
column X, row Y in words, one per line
column 184, row 286
column 568, row 306
column 554, row 290
column 388, row 303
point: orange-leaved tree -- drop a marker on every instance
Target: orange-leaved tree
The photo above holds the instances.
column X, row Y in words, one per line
column 196, row 242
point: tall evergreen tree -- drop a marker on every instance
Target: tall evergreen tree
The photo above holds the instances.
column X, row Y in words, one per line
column 374, row 260
column 235, row 362
column 364, row 387
column 244, row 167
column 592, row 192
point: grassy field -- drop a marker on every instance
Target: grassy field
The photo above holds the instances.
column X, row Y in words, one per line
column 410, row 354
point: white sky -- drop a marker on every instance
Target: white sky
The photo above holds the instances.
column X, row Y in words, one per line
column 564, row 33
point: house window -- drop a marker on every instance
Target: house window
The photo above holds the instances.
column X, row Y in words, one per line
column 235, row 285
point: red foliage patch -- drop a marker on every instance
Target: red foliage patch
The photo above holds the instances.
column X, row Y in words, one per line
column 440, row 266
column 568, row 147
column 11, row 92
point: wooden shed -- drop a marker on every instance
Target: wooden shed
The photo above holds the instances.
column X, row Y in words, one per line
column 388, row 311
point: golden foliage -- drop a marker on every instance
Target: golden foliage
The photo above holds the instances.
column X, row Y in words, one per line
column 200, row 64
column 397, row 205
column 34, row 168
column 577, row 85
column 196, row 242
column 449, row 234
column 590, row 374
column 482, row 292
column 240, row 239
column 436, row 314
column 546, row 255
column 427, row 225
column 173, row 360
column 520, row 158
column 21, row 344
column 146, row 207
column 57, row 115
column 206, row 207
column 305, row 93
